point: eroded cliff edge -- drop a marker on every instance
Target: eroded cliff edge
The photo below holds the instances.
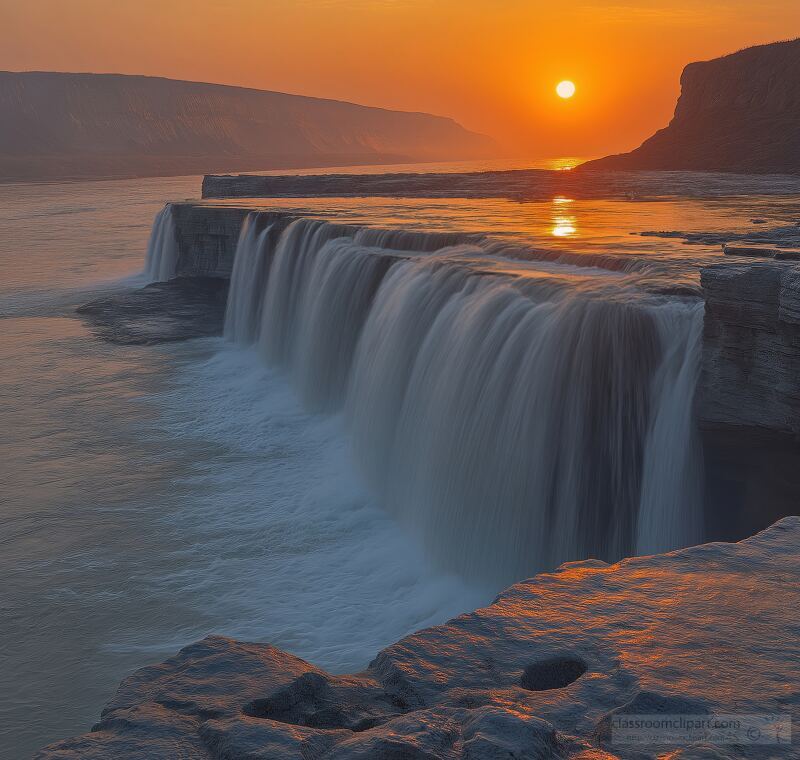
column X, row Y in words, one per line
column 538, row 674
column 739, row 113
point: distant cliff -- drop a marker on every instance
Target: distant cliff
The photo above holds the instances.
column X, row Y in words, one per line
column 56, row 125
column 740, row 113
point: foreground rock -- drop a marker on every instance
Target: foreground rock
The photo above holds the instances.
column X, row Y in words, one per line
column 739, row 113
column 540, row 673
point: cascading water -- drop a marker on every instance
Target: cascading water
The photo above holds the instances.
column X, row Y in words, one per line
column 510, row 427
column 162, row 249
column 248, row 280
column 671, row 517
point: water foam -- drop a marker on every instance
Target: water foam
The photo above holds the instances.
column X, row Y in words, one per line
column 279, row 541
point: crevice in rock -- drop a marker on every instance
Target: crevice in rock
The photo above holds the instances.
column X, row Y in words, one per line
column 555, row 673
column 313, row 702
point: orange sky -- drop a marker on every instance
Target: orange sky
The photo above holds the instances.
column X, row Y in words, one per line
column 492, row 65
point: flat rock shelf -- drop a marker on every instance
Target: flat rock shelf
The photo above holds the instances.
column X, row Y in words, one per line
column 540, row 673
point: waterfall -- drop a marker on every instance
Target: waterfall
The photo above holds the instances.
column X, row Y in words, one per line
column 248, row 280
column 670, row 512
column 511, row 429
column 162, row 249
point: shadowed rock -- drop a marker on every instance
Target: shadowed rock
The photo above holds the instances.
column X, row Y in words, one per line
column 164, row 312
column 748, row 399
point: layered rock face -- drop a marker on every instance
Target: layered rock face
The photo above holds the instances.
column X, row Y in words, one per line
column 748, row 400
column 206, row 238
column 751, row 362
column 740, row 113
column 541, row 673
column 56, row 125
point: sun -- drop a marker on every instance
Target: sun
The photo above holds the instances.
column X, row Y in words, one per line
column 565, row 89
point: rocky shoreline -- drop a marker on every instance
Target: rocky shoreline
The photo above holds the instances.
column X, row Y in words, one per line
column 540, row 673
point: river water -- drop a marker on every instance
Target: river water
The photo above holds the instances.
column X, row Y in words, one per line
column 155, row 494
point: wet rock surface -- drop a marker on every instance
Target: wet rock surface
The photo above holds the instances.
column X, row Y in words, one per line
column 540, row 673
column 764, row 242
column 163, row 312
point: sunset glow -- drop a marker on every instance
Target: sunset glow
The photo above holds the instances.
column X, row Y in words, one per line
column 495, row 73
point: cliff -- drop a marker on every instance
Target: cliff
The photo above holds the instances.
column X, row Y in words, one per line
column 547, row 671
column 739, row 113
column 55, row 125
column 751, row 366
column 748, row 397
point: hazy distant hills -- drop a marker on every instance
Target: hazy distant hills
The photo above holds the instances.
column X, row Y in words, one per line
column 56, row 125
column 738, row 113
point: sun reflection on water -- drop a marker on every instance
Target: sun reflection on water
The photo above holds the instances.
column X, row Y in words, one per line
column 564, row 224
